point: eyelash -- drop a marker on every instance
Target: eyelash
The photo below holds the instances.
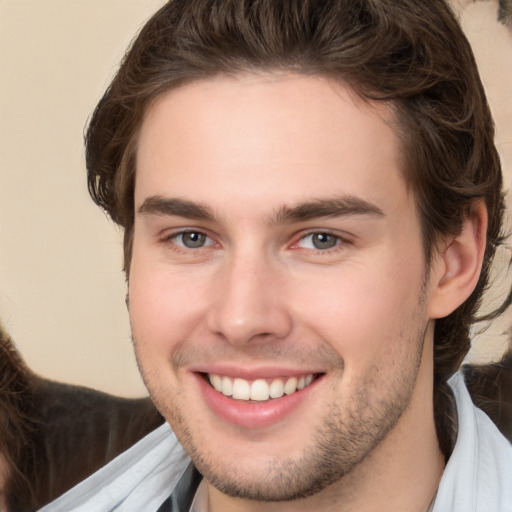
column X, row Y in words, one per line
column 182, row 247
column 340, row 242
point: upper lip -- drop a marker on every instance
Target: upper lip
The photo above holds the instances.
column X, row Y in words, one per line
column 253, row 373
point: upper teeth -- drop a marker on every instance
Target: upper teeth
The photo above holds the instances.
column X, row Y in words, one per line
column 260, row 389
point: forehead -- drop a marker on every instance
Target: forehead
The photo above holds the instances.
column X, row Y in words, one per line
column 287, row 137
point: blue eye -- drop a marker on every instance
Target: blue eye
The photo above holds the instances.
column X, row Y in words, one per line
column 320, row 241
column 192, row 239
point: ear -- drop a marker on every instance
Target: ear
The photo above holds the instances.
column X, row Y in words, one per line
column 456, row 268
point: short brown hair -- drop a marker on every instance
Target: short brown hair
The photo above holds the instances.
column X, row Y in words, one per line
column 412, row 54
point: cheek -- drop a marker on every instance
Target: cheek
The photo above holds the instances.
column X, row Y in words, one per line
column 364, row 311
column 163, row 306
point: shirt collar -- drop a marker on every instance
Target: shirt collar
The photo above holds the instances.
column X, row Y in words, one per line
column 183, row 494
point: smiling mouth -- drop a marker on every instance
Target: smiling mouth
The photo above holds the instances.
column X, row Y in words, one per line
column 259, row 390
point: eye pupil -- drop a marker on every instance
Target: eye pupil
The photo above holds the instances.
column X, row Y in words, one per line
column 323, row 241
column 193, row 240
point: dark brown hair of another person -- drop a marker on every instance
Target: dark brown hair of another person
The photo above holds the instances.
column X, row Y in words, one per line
column 53, row 435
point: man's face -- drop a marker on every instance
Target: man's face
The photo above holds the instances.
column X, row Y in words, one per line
column 277, row 256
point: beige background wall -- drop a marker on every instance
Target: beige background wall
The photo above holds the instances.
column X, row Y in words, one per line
column 61, row 288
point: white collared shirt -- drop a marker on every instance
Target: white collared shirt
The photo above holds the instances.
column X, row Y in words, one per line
column 139, row 479
column 478, row 476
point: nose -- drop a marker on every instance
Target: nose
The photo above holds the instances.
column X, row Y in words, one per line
column 249, row 302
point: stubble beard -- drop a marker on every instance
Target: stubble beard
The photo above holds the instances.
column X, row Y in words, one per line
column 342, row 442
column 347, row 435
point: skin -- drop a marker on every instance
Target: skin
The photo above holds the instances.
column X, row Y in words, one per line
column 257, row 297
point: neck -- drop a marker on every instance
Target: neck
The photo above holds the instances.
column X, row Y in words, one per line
column 401, row 474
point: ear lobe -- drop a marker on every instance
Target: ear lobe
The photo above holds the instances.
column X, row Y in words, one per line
column 456, row 269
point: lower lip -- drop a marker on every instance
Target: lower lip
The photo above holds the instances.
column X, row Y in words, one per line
column 254, row 414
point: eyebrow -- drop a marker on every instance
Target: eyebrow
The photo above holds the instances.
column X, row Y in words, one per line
column 157, row 205
column 335, row 207
column 310, row 210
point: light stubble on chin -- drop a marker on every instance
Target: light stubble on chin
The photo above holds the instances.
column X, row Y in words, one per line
column 344, row 440
column 345, row 437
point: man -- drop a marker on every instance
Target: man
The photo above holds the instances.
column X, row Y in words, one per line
column 311, row 199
